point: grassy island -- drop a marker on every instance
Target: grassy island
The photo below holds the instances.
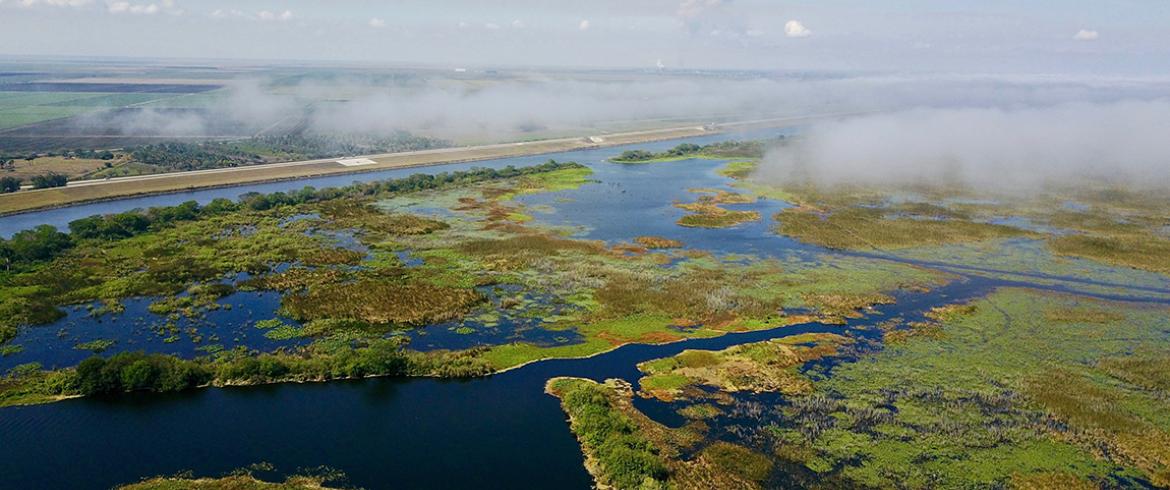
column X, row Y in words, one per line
column 708, row 212
column 686, row 151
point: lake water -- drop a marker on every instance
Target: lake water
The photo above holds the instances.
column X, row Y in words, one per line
column 497, row 432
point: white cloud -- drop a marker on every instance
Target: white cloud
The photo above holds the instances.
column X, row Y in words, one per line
column 377, row 23
column 267, row 15
column 56, row 3
column 261, row 16
column 794, row 28
column 491, row 26
column 517, row 24
column 584, row 25
column 121, row 7
column 1086, row 35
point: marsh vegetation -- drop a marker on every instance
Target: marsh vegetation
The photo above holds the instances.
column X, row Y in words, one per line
column 721, row 150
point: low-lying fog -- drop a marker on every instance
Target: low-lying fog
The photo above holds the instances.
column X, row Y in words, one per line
column 477, row 110
column 1015, row 149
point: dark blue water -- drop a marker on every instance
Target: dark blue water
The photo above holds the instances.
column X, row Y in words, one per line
column 638, row 200
column 136, row 329
column 497, row 432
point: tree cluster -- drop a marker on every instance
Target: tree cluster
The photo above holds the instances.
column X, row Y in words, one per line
column 49, row 180
column 9, row 184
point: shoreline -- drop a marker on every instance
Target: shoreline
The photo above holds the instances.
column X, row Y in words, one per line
column 83, row 192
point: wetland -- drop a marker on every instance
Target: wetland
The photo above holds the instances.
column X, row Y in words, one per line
column 695, row 326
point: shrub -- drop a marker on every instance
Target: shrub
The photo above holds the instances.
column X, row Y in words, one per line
column 49, row 180
column 627, row 459
column 9, row 184
column 138, row 371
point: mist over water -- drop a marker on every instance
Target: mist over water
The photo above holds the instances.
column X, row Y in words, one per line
column 1123, row 142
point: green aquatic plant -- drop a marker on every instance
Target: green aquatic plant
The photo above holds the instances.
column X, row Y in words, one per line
column 96, row 346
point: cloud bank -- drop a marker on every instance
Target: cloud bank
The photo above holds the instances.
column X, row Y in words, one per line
column 532, row 104
column 1123, row 142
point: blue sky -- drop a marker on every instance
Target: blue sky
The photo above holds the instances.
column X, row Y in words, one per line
column 1120, row 37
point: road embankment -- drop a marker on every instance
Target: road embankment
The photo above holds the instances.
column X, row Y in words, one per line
column 100, row 190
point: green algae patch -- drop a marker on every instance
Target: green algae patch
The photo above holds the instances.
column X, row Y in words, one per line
column 96, row 346
column 558, row 180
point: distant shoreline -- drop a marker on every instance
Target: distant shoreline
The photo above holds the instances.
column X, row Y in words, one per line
column 89, row 191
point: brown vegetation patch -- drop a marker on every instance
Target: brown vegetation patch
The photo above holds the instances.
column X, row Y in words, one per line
column 1149, row 371
column 860, row 228
column 381, row 302
column 839, row 306
column 923, row 330
column 658, row 338
column 657, row 243
column 769, row 366
column 1096, row 419
column 295, row 278
column 1139, row 251
column 359, row 214
column 707, row 212
column 1050, row 481
column 1082, row 315
column 530, row 246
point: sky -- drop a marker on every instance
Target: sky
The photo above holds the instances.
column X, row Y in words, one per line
column 1118, row 37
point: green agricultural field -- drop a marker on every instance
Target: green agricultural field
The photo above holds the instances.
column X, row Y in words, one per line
column 24, row 108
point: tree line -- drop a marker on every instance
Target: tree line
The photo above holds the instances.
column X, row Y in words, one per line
column 723, row 149
column 52, row 179
column 161, row 373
